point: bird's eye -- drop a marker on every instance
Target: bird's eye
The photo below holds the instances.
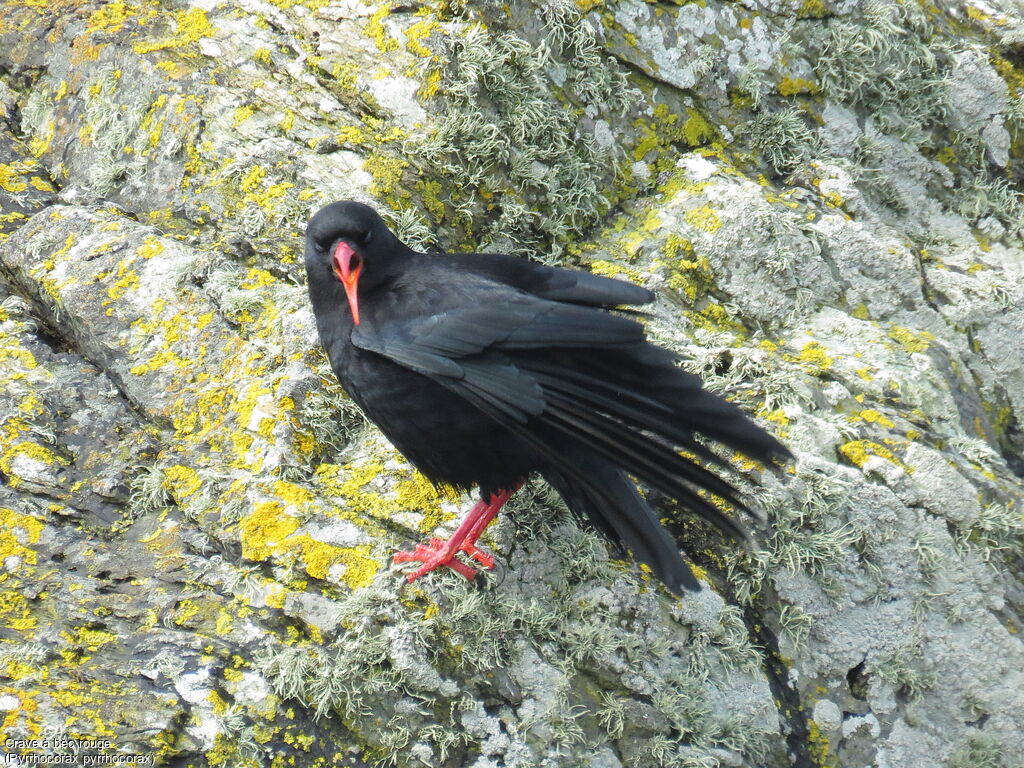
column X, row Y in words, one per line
column 367, row 237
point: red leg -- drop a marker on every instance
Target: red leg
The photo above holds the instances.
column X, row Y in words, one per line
column 443, row 553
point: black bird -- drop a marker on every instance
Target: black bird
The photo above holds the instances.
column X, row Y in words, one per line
column 484, row 368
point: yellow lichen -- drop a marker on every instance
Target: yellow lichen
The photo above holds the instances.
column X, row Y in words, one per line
column 15, row 613
column 790, row 86
column 778, row 416
column 704, row 218
column 276, row 595
column 151, row 246
column 25, row 358
column 185, row 611
column 242, row 114
column 270, row 531
column 691, row 275
column 946, row 155
column 416, row 492
column 264, row 530
column 190, row 26
column 39, row 145
column 813, row 358
column 431, row 84
column 818, row 742
column 696, row 130
column 976, row 14
column 291, row 493
column 217, row 703
column 17, row 533
column 127, row 280
column 412, row 492
column 375, row 30
column 287, row 121
column 910, row 341
column 611, row 269
column 876, row 417
column 88, row 638
column 34, row 453
column 360, row 568
column 386, row 171
column 181, row 481
column 10, row 177
column 415, row 35
column 865, row 374
column 859, row 451
column 225, row 621
column 257, row 278
column 812, row 9
column 109, row 18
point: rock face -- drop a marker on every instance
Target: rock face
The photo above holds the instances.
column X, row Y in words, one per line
column 195, row 523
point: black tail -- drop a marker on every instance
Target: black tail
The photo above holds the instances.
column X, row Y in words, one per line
column 634, row 409
column 629, row 411
column 601, row 493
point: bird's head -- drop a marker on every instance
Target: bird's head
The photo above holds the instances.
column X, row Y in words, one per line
column 350, row 243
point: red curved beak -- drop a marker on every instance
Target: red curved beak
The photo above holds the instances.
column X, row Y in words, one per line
column 343, row 259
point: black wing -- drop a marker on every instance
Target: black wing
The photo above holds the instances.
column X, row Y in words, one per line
column 562, row 374
column 552, row 283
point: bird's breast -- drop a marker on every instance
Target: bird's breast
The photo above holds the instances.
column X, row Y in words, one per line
column 444, row 435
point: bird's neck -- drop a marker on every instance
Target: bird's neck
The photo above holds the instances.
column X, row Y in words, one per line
column 331, row 310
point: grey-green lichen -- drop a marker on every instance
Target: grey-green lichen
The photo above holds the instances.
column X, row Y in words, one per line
column 512, row 153
column 390, row 674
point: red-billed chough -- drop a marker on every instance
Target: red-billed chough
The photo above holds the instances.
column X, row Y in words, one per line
column 485, row 368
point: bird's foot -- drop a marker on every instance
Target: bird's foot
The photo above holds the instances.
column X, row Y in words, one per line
column 438, row 553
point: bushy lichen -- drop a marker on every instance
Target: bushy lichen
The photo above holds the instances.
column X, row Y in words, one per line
column 782, row 139
column 807, row 535
column 508, row 140
column 418, row 642
column 849, row 305
column 889, row 61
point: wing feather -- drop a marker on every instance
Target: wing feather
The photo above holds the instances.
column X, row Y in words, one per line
column 656, row 465
column 553, row 283
column 559, row 374
column 522, row 324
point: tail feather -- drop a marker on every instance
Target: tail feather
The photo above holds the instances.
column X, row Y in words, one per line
column 606, row 497
column 640, row 412
column 654, row 464
column 673, row 402
column 637, row 410
column 652, row 371
column 629, row 411
column 645, row 455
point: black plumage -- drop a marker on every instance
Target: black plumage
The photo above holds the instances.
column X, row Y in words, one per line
column 483, row 369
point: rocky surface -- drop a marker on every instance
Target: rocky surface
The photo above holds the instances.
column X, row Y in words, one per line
column 195, row 524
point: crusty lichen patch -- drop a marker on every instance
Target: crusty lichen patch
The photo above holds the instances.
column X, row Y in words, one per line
column 265, row 529
column 18, row 533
